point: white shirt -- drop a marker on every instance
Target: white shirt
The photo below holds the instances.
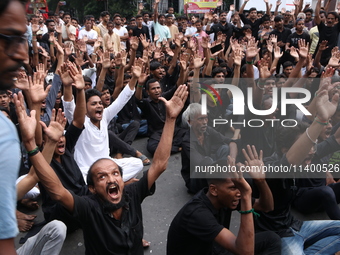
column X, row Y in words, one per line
column 93, row 142
column 121, row 32
column 90, row 35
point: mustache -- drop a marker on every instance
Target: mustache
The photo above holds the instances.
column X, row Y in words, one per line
column 109, row 184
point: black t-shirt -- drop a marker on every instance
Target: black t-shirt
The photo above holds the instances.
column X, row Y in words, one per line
column 281, row 36
column 195, row 227
column 106, row 235
column 294, row 38
column 331, row 35
column 67, row 171
column 255, row 26
column 280, row 220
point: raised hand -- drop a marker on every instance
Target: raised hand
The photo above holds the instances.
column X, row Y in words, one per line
column 134, row 42
column 81, row 44
column 198, row 62
column 76, row 75
column 136, row 69
column 68, row 50
column 144, row 41
column 27, row 123
column 303, row 48
column 64, row 75
column 22, row 82
column 237, row 57
column 156, row 38
column 293, row 52
column 263, row 68
column 176, row 103
column 36, row 88
column 58, row 28
column 278, row 2
column 105, row 59
column 56, row 127
column 325, row 107
column 273, row 39
column 254, row 162
column 35, row 28
column 277, row 52
column 252, row 49
column 323, row 45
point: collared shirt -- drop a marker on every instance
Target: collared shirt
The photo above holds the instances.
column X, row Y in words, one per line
column 103, row 29
column 103, row 234
column 161, row 30
column 93, row 143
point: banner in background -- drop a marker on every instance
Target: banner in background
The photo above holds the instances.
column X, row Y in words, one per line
column 199, row 6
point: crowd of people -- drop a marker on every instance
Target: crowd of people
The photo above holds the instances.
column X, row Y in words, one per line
column 74, row 95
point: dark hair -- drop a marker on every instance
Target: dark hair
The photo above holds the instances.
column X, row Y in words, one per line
column 89, row 177
column 265, row 18
column 105, row 87
column 74, row 18
column 4, row 4
column 90, row 93
column 286, row 136
column 154, row 65
column 48, row 21
column 252, row 9
column 160, row 16
column 245, row 27
column 87, row 79
column 110, row 23
column 144, row 13
column 117, row 15
column 148, row 83
column 286, row 64
column 322, row 12
column 104, row 13
column 278, row 18
column 217, row 70
column 334, row 14
column 3, row 92
column 67, row 13
column 308, row 10
column 139, row 16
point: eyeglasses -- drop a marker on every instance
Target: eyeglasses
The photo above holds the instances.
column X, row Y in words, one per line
column 13, row 42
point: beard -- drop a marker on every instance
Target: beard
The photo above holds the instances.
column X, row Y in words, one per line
column 109, row 207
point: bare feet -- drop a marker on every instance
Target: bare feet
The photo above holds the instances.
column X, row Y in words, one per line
column 146, row 244
column 25, row 221
column 30, row 204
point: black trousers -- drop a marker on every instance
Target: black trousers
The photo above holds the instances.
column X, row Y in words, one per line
column 122, row 143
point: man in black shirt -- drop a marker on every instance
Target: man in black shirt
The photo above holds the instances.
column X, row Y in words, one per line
column 140, row 29
column 111, row 218
column 223, row 26
column 205, row 218
column 155, row 111
column 253, row 20
column 328, row 32
column 282, row 34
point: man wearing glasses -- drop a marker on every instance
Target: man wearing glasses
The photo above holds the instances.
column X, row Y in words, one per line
column 13, row 52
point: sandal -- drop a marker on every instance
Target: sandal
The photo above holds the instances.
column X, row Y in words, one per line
column 145, row 158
